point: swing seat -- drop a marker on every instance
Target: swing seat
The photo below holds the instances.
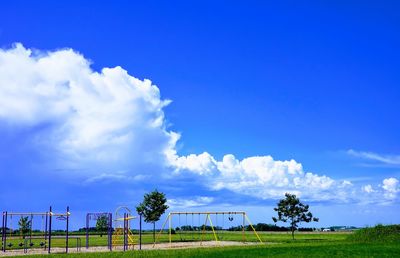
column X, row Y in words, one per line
column 21, row 244
column 10, row 244
column 31, row 244
column 42, row 244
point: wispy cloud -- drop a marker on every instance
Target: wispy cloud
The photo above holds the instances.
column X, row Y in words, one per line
column 196, row 201
column 116, row 176
column 393, row 160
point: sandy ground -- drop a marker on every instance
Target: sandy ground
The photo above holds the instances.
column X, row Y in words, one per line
column 174, row 245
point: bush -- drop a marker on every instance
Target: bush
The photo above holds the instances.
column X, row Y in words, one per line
column 379, row 233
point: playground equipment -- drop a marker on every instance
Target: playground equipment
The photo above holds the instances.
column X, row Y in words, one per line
column 28, row 241
column 201, row 228
column 122, row 235
column 193, row 227
column 95, row 216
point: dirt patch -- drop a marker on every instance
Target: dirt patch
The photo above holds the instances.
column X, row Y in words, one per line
column 184, row 245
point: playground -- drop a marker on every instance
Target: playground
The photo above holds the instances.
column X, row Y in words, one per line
column 178, row 234
column 48, row 232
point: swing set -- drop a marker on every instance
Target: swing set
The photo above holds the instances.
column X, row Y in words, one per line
column 28, row 239
column 96, row 216
column 201, row 229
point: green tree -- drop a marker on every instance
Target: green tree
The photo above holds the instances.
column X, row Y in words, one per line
column 102, row 224
column 152, row 207
column 24, row 225
column 292, row 210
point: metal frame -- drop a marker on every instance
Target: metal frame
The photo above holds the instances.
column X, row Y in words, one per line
column 208, row 217
column 48, row 223
column 95, row 216
column 122, row 228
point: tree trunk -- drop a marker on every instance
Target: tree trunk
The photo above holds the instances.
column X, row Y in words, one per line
column 292, row 228
column 292, row 233
column 154, row 232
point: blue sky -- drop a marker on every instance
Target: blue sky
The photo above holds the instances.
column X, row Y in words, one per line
column 251, row 100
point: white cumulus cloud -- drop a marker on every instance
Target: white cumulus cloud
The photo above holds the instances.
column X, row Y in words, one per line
column 106, row 117
column 390, row 187
column 386, row 193
column 202, row 164
column 368, row 189
column 262, row 177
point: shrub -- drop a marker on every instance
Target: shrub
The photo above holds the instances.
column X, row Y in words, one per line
column 379, row 233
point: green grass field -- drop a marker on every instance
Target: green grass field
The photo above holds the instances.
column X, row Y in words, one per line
column 330, row 244
column 339, row 249
column 147, row 238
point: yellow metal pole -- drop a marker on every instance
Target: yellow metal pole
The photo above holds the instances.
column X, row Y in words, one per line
column 212, row 227
column 243, row 233
column 255, row 232
column 159, row 233
column 170, row 226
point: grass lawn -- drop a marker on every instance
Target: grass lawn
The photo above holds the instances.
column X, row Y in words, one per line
column 339, row 249
column 147, row 238
column 306, row 245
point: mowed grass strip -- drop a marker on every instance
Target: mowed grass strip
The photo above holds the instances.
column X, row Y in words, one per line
column 331, row 249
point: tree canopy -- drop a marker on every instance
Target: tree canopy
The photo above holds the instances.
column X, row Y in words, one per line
column 291, row 210
column 24, row 224
column 102, row 224
column 153, row 206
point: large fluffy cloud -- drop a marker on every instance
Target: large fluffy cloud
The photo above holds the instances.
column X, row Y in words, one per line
column 85, row 117
column 265, row 178
column 262, row 177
